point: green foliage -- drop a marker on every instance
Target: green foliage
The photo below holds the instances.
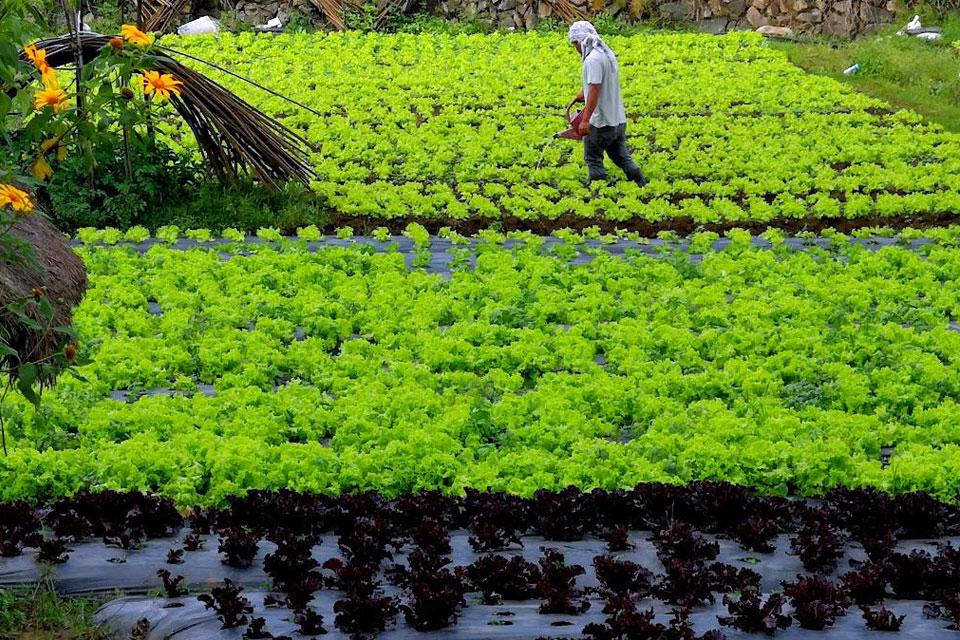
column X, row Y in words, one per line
column 361, row 19
column 42, row 614
column 150, row 196
column 430, row 24
column 920, row 75
column 342, row 369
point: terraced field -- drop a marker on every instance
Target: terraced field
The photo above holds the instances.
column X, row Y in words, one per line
column 727, row 129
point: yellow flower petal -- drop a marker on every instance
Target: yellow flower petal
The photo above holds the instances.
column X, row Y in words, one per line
column 51, row 97
column 160, row 85
column 133, row 35
column 15, row 199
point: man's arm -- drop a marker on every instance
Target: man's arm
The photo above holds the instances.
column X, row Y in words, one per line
column 593, row 96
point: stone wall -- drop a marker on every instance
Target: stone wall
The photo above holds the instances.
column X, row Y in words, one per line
column 844, row 18
column 841, row 18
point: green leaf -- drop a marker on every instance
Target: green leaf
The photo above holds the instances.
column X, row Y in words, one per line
column 46, row 309
column 26, row 378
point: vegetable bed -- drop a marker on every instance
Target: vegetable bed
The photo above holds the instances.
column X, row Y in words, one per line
column 270, row 366
column 656, row 561
column 449, row 130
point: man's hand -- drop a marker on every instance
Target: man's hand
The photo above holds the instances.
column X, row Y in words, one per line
column 584, row 127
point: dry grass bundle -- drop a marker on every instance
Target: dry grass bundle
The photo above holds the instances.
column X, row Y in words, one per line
column 57, row 270
column 234, row 137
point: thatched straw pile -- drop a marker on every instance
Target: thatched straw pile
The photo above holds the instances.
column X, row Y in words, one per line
column 234, row 137
column 58, row 270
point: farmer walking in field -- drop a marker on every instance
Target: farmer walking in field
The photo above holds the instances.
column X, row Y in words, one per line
column 603, row 124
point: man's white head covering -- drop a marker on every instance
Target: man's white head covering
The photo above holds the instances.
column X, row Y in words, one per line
column 585, row 33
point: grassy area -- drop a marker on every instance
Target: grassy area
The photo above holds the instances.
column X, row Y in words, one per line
column 42, row 614
column 904, row 71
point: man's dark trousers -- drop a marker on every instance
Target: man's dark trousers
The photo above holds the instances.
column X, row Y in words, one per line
column 611, row 140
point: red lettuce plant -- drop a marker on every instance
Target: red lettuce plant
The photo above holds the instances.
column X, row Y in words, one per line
column 625, row 622
column 173, row 587
column 911, row 576
column 816, row 600
column 257, row 630
column 499, row 578
column 686, row 583
column 679, row 542
column 617, row 538
column 561, row 515
column 558, row 585
column 202, row 521
column 877, row 545
column 621, row 577
column 364, row 609
column 436, row 593
column 725, row 577
column 309, row 623
column 53, row 551
column 19, row 528
column 238, row 546
column 367, row 541
column 866, row 585
column 292, row 561
column 192, row 542
column 757, row 533
column 365, row 613
column 412, row 509
column 751, row 614
column 226, row 601
column 432, row 536
column 717, row 507
column 819, row 545
column 882, row 619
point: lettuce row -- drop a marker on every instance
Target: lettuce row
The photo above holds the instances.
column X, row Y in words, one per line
column 342, row 369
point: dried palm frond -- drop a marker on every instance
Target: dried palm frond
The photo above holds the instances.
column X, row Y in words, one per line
column 333, row 11
column 155, row 15
column 234, row 137
column 567, row 11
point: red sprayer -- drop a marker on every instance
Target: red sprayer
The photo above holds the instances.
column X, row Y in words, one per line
column 573, row 132
column 570, row 134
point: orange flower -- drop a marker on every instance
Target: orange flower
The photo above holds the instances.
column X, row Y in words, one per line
column 135, row 36
column 38, row 57
column 70, row 352
column 161, row 85
column 16, row 199
column 116, row 43
column 49, row 78
column 51, row 97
